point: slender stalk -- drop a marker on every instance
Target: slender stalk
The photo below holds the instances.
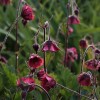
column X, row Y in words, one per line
column 83, row 60
column 81, row 68
column 16, row 45
column 10, row 29
column 94, row 86
column 66, row 38
column 74, row 91
column 45, row 52
column 44, row 91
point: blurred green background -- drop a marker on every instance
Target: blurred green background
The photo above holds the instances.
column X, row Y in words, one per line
column 90, row 25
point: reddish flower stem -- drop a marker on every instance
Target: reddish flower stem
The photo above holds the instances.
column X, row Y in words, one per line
column 74, row 91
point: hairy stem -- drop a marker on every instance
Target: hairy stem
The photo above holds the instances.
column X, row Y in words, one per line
column 44, row 91
column 16, row 45
column 74, row 91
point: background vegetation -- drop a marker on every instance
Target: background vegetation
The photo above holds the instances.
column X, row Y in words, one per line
column 90, row 25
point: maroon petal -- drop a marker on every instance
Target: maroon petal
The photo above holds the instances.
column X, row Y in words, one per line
column 41, row 74
column 91, row 64
column 27, row 12
column 84, row 79
column 73, row 20
column 35, row 61
column 26, row 83
column 48, row 82
column 83, row 43
column 50, row 46
column 54, row 47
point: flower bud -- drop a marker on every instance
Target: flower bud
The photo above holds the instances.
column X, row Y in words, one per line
column 36, row 47
column 83, row 43
column 97, row 54
column 27, row 12
column 76, row 12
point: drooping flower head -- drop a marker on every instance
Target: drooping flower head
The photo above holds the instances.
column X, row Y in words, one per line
column 27, row 13
column 3, row 59
column 71, row 55
column 50, row 46
column 83, row 44
column 26, row 83
column 35, row 61
column 72, row 19
column 36, row 47
column 5, row 2
column 91, row 64
column 97, row 54
column 84, row 79
column 41, row 74
column 48, row 82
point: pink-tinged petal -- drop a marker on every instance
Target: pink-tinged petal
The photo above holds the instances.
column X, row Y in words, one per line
column 48, row 82
column 91, row 64
column 3, row 59
column 73, row 20
column 41, row 74
column 27, row 12
column 84, row 79
column 54, row 48
column 71, row 55
column 35, row 61
column 50, row 46
column 26, row 83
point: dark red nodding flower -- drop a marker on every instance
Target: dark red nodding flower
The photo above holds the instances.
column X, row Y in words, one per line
column 97, row 54
column 3, row 59
column 84, row 79
column 41, row 74
column 50, row 46
column 83, row 44
column 48, row 82
column 26, row 83
column 36, row 47
column 71, row 55
column 5, row 2
column 91, row 64
column 27, row 12
column 70, row 30
column 35, row 61
column 73, row 20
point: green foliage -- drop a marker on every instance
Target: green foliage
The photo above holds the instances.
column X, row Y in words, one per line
column 90, row 25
